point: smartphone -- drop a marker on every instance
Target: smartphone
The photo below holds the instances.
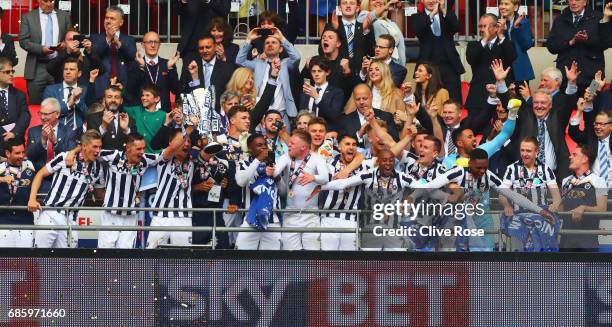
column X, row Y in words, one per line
column 593, row 87
column 264, row 32
column 307, row 81
column 53, row 48
column 338, row 11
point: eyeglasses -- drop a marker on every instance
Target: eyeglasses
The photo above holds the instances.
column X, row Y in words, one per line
column 8, row 72
column 151, row 42
column 46, row 113
column 601, row 124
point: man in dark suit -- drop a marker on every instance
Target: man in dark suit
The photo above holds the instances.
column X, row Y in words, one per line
column 40, row 31
column 14, row 113
column 71, row 95
column 113, row 125
column 114, row 49
column 596, row 134
column 151, row 69
column 49, row 139
column 353, row 122
column 479, row 55
column 88, row 60
column 385, row 45
column 323, row 99
column 435, row 28
column 575, row 36
column 195, row 14
column 357, row 42
column 207, row 70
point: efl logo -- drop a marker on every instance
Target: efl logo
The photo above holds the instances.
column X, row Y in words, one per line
column 84, row 221
column 399, row 295
column 19, row 288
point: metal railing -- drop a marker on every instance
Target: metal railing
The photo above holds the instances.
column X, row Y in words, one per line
column 160, row 16
column 217, row 229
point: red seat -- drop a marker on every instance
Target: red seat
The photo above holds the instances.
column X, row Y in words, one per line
column 34, row 120
column 20, row 83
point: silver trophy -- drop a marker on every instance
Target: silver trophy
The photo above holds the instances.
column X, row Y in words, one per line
column 201, row 102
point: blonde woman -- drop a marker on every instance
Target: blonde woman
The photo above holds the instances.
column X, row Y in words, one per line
column 385, row 95
column 374, row 14
column 243, row 83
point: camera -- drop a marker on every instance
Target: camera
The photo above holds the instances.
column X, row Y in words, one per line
column 271, row 154
column 264, row 32
column 80, row 38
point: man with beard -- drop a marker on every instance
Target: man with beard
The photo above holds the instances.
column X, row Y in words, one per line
column 273, row 135
column 302, row 170
column 346, row 199
column 114, row 126
column 476, row 181
column 246, row 175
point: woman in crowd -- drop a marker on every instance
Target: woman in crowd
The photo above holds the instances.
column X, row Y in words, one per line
column 518, row 30
column 302, row 120
column 221, row 31
column 375, row 12
column 243, row 83
column 429, row 89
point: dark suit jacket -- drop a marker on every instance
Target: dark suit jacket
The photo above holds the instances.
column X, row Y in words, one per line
column 480, row 59
column 108, row 141
column 558, row 118
column 66, row 115
column 195, row 14
column 66, row 141
column 398, row 72
column 449, row 25
column 589, row 54
column 351, row 123
column 30, row 37
column 9, row 49
column 18, row 113
column 126, row 53
column 330, row 107
column 363, row 44
column 221, row 74
column 167, row 81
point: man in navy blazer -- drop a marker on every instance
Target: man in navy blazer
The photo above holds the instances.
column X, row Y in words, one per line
column 220, row 71
column 14, row 113
column 439, row 47
column 385, row 45
column 114, row 49
column 353, row 122
column 49, row 139
column 151, row 69
column 71, row 95
column 323, row 99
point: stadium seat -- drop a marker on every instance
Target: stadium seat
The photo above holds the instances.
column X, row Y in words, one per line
column 20, row 83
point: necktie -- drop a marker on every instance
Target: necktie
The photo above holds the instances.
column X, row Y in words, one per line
column 435, row 27
column 3, row 103
column 452, row 149
column 541, row 141
column 313, row 103
column 49, row 30
column 50, row 150
column 70, row 88
column 111, row 128
column 577, row 19
column 604, row 165
column 114, row 60
column 151, row 62
column 207, row 74
column 349, row 37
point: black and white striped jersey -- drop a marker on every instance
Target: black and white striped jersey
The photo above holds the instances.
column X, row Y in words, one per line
column 246, row 175
column 123, row 179
column 174, row 188
column 532, row 184
column 71, row 184
column 347, row 199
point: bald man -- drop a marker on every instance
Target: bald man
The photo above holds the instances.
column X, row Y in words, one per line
column 150, row 69
column 362, row 95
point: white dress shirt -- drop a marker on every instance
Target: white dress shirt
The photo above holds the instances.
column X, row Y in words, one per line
column 549, row 156
column 43, row 27
column 595, row 167
column 312, row 101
